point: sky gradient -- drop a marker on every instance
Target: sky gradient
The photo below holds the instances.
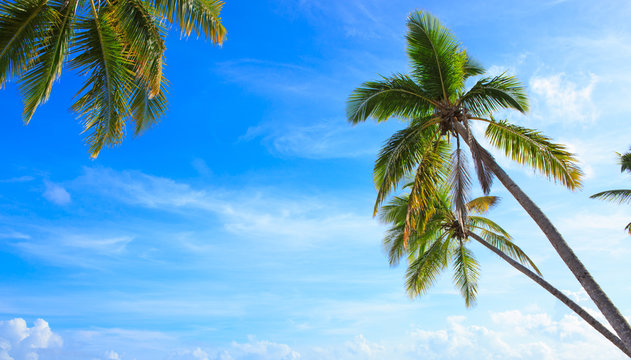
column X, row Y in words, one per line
column 241, row 226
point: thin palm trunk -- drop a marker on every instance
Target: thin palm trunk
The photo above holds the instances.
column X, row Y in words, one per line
column 556, row 293
column 598, row 296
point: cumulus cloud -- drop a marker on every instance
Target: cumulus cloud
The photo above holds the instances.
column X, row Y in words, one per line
column 19, row 342
column 263, row 350
column 56, row 194
column 559, row 99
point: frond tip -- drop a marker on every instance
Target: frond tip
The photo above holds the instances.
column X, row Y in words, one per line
column 530, row 147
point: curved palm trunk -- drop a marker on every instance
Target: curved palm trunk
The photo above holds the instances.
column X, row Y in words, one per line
column 598, row 296
column 556, row 293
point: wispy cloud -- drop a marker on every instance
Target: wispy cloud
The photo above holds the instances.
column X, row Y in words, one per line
column 56, row 194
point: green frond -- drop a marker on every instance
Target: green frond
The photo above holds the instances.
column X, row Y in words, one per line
column 397, row 96
column 492, row 94
column 531, row 148
column 430, row 173
column 423, row 271
column 466, row 274
column 628, row 228
column 144, row 35
column 147, row 109
column 102, row 102
column 37, row 82
column 482, row 204
column 399, row 156
column 202, row 17
column 625, row 162
column 472, row 68
column 436, row 59
column 23, row 25
column 619, row 196
column 509, row 248
column 480, row 222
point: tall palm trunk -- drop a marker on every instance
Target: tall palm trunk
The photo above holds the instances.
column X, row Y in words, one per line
column 598, row 296
column 556, row 293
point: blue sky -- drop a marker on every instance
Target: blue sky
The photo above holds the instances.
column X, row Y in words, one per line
column 240, row 227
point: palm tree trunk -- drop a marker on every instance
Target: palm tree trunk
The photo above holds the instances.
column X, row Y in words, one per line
column 556, row 293
column 598, row 296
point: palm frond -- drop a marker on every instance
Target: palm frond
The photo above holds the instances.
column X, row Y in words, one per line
column 482, row 204
column 37, row 82
column 401, row 153
column 480, row 158
column 625, row 162
column 397, row 96
column 472, row 68
column 202, row 17
column 423, row 271
column 480, row 222
column 619, row 196
column 531, row 148
column 436, row 60
column 460, row 184
column 144, row 36
column 147, row 110
column 466, row 273
column 101, row 102
column 430, row 172
column 509, row 248
column 491, row 94
column 628, row 228
column 23, row 24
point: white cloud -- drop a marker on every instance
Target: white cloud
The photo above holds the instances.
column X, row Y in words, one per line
column 322, row 140
column 556, row 98
column 56, row 194
column 19, row 342
column 263, row 350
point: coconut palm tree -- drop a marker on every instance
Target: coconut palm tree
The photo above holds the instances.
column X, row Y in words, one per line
column 434, row 100
column 620, row 196
column 116, row 45
column 438, row 241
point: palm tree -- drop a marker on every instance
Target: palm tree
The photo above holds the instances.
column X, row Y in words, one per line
column 117, row 45
column 620, row 196
column 435, row 101
column 438, row 240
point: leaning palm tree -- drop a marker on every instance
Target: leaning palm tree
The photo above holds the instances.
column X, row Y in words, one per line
column 438, row 241
column 117, row 45
column 620, row 196
column 438, row 105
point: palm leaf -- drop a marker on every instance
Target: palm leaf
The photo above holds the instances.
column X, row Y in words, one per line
column 423, row 270
column 430, row 172
column 491, row 94
column 144, row 36
column 482, row 204
column 480, row 158
column 460, row 184
column 102, row 101
column 199, row 16
column 37, row 82
column 437, row 63
column 23, row 25
column 619, row 196
column 399, row 156
column 472, row 68
column 509, row 248
column 531, row 148
column 397, row 95
column 466, row 273
column 625, row 162
column 480, row 222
